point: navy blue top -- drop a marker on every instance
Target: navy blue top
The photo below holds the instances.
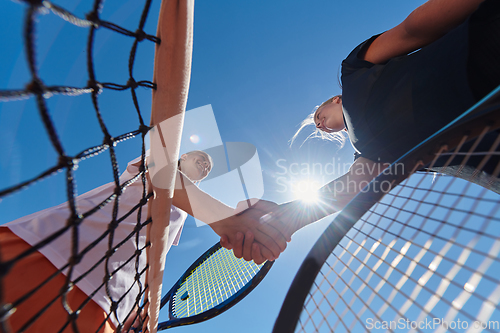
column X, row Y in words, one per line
column 389, row 108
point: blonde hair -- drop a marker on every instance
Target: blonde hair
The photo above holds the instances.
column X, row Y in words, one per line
column 317, row 133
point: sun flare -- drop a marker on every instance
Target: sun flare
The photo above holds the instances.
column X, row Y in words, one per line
column 307, row 191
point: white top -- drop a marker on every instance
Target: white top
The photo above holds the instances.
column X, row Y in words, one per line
column 35, row 227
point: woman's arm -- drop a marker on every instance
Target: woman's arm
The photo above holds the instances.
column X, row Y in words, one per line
column 172, row 71
column 423, row 26
column 172, row 68
column 292, row 216
column 171, row 75
column 223, row 219
column 332, row 198
column 191, row 199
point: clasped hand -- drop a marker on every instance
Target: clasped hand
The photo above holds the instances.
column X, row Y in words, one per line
column 254, row 233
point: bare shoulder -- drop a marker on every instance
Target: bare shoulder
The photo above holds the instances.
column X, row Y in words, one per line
column 423, row 26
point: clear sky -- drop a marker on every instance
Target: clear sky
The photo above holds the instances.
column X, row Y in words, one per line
column 262, row 66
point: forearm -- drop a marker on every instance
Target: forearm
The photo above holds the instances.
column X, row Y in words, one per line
column 437, row 17
column 332, row 197
column 423, row 26
column 172, row 68
column 197, row 203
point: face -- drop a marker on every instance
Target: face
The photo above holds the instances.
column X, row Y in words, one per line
column 328, row 118
column 195, row 165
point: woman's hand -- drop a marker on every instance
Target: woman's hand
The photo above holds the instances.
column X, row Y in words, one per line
column 244, row 233
column 287, row 218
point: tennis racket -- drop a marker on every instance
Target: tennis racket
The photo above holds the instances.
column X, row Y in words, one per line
column 423, row 257
column 215, row 282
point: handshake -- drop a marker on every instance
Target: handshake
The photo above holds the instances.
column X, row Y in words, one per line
column 256, row 231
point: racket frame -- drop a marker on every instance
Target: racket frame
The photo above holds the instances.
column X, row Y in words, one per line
column 218, row 309
column 471, row 123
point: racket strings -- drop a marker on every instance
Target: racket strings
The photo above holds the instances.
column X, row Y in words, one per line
column 442, row 254
column 476, row 273
column 423, row 258
column 215, row 280
column 339, row 281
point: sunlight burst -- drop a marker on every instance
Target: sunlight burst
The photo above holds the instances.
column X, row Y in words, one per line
column 307, row 190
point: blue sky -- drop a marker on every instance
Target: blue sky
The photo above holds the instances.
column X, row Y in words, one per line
column 261, row 65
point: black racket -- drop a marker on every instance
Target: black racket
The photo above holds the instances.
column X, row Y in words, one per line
column 423, row 257
column 215, row 282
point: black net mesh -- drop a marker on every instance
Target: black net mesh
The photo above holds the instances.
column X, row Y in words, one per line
column 39, row 91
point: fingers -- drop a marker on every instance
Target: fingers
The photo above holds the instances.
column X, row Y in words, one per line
column 266, row 240
column 283, row 228
column 224, row 242
column 254, row 251
column 274, row 234
column 247, row 246
column 264, row 233
column 256, row 254
column 273, row 219
column 238, row 245
column 240, row 231
column 265, row 253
